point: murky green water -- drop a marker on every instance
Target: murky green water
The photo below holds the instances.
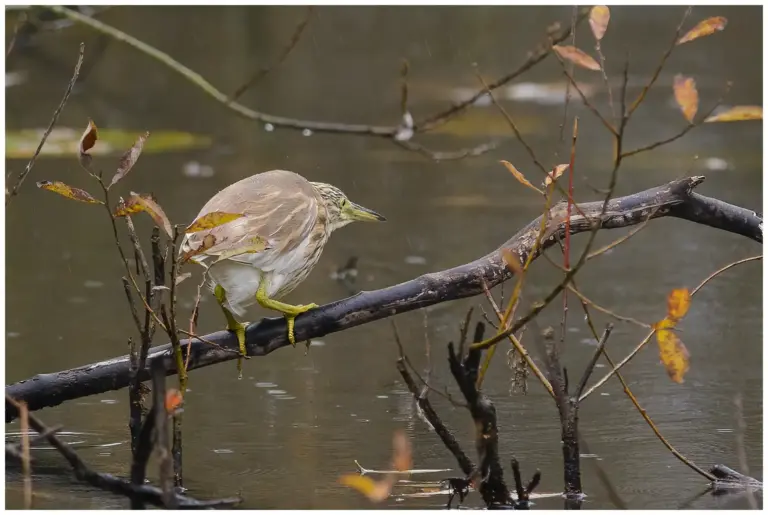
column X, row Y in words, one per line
column 282, row 436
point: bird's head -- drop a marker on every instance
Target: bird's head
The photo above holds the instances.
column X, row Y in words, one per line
column 341, row 210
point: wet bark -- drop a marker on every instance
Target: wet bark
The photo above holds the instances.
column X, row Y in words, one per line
column 673, row 199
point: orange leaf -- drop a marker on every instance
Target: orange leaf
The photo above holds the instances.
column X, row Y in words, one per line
column 576, row 56
column 129, row 159
column 673, row 354
column 519, row 176
column 687, row 96
column 665, row 323
column 737, row 114
column 68, row 191
column 87, row 141
column 599, row 17
column 211, row 220
column 137, row 203
column 704, row 28
column 555, row 174
column 173, row 400
column 402, row 456
column 678, row 302
column 376, row 491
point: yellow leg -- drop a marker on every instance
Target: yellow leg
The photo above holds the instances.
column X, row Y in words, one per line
column 233, row 325
column 289, row 310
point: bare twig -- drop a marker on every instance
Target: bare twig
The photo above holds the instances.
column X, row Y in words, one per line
column 436, row 120
column 673, row 43
column 591, row 365
column 162, row 446
column 22, row 19
column 146, row 493
column 263, row 72
column 450, row 155
column 23, row 175
column 26, row 468
column 608, row 312
column 650, row 334
column 683, row 132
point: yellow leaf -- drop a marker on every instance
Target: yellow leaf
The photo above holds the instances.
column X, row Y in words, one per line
column 211, row 220
column 137, row 203
column 576, row 56
column 673, row 354
column 129, row 159
column 87, row 141
column 519, row 176
column 376, row 491
column 704, row 28
column 737, row 114
column 251, row 246
column 665, row 323
column 555, row 174
column 68, row 191
column 678, row 302
column 687, row 96
column 598, row 20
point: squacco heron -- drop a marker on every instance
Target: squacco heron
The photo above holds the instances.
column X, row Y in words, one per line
column 295, row 217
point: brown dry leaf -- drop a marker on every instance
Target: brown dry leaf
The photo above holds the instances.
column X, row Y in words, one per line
column 402, row 456
column 599, row 17
column 211, row 220
column 737, row 114
column 376, row 491
column 704, row 28
column 137, row 203
column 208, row 242
column 87, row 141
column 576, row 56
column 173, row 400
column 519, row 176
column 555, row 174
column 252, row 246
column 678, row 302
column 687, row 96
column 673, row 354
column 68, row 191
column 129, row 159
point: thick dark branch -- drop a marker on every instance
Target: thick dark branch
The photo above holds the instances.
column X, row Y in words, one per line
column 672, row 199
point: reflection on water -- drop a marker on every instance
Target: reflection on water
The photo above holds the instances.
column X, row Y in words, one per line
column 297, row 421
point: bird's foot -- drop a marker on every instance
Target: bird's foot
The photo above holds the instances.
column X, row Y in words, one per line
column 239, row 329
column 290, row 318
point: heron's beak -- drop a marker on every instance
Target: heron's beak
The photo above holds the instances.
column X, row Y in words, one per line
column 362, row 214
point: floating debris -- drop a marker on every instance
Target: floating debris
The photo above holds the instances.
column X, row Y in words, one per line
column 415, row 260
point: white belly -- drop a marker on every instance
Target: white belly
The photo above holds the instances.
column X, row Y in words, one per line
column 241, row 280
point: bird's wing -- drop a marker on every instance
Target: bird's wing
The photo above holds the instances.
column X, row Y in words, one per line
column 280, row 207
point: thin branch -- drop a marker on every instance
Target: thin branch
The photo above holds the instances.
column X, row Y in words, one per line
column 109, row 482
column 535, row 57
column 650, row 335
column 450, row 155
column 520, row 348
column 23, row 175
column 591, row 365
column 263, row 72
column 683, row 132
column 22, row 19
column 672, row 45
column 608, row 312
column 608, row 125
